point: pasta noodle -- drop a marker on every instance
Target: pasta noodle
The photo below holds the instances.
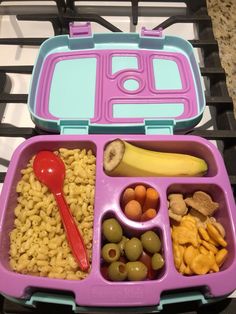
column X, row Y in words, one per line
column 38, row 244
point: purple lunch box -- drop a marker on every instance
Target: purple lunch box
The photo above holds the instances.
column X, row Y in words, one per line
column 142, row 89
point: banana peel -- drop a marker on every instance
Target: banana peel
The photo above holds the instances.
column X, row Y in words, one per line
column 124, row 159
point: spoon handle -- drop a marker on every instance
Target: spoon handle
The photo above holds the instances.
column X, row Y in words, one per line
column 73, row 235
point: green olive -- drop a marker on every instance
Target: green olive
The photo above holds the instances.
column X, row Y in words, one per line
column 117, row 271
column 133, row 249
column 112, row 230
column 136, row 271
column 121, row 245
column 157, row 261
column 151, row 242
column 110, row 252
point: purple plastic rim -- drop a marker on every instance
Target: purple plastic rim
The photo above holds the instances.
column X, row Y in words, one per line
column 94, row 290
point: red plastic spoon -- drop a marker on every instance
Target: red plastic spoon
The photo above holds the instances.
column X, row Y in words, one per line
column 50, row 170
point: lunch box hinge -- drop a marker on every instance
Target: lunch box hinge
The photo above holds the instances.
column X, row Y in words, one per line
column 40, row 297
column 193, row 296
column 80, row 29
column 74, row 127
column 164, row 127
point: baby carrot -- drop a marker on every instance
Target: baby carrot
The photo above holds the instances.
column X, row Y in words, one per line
column 128, row 195
column 133, row 210
column 140, row 194
column 151, row 200
column 148, row 214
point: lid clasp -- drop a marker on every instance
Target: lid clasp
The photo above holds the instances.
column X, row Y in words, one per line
column 80, row 29
column 74, row 126
column 151, row 32
column 160, row 127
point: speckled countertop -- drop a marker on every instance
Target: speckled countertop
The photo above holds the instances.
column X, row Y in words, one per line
column 223, row 15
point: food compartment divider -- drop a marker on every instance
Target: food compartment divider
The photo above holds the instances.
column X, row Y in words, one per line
column 20, row 285
column 190, row 145
column 222, row 214
column 217, row 187
column 135, row 229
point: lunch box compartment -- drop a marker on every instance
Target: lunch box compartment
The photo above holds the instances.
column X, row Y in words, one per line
column 187, row 146
column 21, row 157
column 222, row 214
column 146, row 185
column 137, row 231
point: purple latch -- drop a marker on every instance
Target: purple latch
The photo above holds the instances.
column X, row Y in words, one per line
column 151, row 32
column 80, row 29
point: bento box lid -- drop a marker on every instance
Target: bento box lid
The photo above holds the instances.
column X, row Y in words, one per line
column 126, row 83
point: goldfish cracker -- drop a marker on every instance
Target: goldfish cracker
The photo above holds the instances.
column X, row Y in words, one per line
column 212, row 241
column 199, row 239
column 212, row 262
column 203, row 250
column 215, row 235
column 133, row 210
column 200, row 265
column 188, row 224
column 219, row 227
column 215, row 268
column 183, row 235
column 189, row 253
column 221, row 257
column 151, row 201
column 173, row 234
column 188, row 271
column 209, row 246
column 140, row 194
column 178, row 251
column 189, row 218
column 203, row 233
column 182, row 268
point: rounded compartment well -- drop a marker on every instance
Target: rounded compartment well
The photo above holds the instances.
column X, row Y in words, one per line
column 125, row 244
column 33, row 241
column 140, row 202
column 202, row 235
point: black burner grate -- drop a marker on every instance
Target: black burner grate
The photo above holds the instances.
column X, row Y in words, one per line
column 217, row 97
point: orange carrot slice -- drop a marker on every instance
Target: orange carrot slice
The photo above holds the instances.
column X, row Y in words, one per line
column 148, row 214
column 151, row 200
column 133, row 210
column 140, row 194
column 127, row 196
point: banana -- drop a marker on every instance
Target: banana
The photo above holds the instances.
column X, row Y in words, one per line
column 124, row 159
